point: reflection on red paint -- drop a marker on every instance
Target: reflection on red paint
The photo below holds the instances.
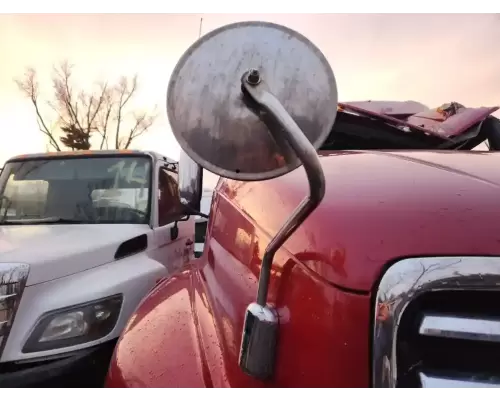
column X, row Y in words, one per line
column 375, row 211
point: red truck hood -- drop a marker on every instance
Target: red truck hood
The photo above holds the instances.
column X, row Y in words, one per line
column 382, row 206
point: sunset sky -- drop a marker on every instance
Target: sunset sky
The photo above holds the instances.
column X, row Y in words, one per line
column 428, row 58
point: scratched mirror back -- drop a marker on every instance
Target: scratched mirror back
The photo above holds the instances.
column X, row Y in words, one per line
column 213, row 122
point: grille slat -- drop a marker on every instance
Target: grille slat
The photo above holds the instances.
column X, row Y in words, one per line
column 466, row 328
column 13, row 278
column 429, row 381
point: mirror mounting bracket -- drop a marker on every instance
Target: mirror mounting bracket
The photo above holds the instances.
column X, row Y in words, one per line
column 260, row 330
column 174, row 230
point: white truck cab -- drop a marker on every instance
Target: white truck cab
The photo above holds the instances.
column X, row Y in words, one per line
column 84, row 236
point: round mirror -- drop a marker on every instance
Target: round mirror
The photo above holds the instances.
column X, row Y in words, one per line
column 211, row 118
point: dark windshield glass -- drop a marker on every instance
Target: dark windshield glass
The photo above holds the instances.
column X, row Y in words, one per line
column 76, row 190
column 354, row 132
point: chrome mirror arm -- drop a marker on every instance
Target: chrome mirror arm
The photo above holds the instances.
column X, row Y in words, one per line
column 306, row 153
column 258, row 348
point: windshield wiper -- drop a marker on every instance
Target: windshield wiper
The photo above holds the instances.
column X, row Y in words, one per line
column 39, row 221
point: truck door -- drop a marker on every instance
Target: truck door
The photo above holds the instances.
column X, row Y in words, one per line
column 173, row 248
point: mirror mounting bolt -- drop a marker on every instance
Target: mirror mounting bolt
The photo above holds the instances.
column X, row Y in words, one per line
column 253, row 77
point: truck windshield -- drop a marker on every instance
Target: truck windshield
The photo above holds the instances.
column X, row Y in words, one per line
column 87, row 190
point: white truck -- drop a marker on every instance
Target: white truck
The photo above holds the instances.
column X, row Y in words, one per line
column 84, row 236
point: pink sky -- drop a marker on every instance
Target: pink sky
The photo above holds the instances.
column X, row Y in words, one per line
column 431, row 58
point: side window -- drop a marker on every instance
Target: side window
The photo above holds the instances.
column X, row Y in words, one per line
column 200, row 231
column 200, row 234
column 168, row 197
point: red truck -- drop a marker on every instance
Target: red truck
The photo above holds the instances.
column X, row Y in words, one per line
column 387, row 272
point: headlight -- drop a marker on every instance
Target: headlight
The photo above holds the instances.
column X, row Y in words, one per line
column 75, row 325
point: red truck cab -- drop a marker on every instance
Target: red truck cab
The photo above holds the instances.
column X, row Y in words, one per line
column 389, row 281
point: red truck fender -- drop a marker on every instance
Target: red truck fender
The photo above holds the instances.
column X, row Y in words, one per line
column 175, row 339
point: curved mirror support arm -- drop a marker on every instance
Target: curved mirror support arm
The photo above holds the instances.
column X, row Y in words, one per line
column 308, row 156
column 260, row 331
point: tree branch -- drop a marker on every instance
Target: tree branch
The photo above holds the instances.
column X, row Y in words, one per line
column 29, row 86
column 142, row 124
column 125, row 94
column 80, row 113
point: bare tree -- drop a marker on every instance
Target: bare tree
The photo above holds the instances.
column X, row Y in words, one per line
column 79, row 114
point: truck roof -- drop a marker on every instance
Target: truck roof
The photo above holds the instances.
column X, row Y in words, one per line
column 87, row 153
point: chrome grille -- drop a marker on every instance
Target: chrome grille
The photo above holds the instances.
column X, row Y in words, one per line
column 13, row 278
column 437, row 323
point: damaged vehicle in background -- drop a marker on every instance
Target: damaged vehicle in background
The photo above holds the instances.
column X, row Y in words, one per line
column 409, row 125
